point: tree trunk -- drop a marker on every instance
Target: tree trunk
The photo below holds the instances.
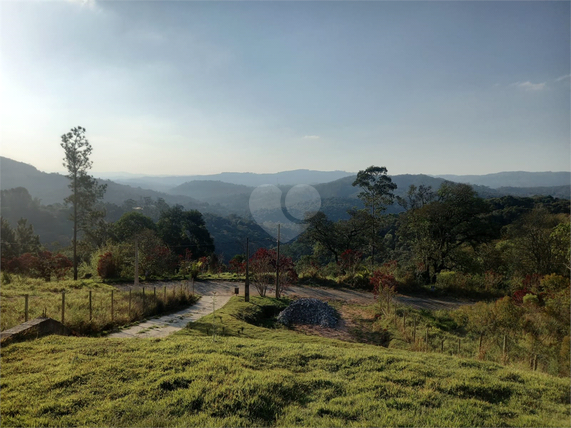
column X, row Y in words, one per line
column 75, row 227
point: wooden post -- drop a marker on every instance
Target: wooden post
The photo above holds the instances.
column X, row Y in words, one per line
column 426, row 338
column 535, row 362
column 165, row 293
column 155, row 292
column 136, row 262
column 90, row 307
column 278, row 266
column 404, row 321
column 112, row 311
column 480, row 344
column 414, row 332
column 25, row 307
column 63, row 306
column 143, row 301
column 504, row 349
column 442, row 346
column 459, row 346
column 247, row 283
column 130, row 303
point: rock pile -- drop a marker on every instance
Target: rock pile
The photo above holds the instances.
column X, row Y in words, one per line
column 309, row 311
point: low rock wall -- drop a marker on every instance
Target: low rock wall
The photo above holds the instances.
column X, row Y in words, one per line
column 33, row 329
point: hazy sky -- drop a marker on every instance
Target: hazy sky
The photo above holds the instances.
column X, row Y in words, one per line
column 205, row 87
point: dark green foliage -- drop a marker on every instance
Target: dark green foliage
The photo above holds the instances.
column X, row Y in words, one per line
column 182, row 230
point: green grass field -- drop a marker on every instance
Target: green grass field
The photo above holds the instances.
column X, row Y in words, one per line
column 260, row 374
column 46, row 297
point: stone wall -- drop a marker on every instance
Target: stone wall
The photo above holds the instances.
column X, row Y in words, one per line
column 33, row 329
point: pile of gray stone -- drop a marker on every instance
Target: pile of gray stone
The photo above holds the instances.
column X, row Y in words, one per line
column 309, row 311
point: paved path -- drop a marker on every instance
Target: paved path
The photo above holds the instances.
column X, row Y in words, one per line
column 165, row 325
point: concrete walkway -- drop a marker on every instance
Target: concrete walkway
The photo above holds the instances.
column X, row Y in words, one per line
column 167, row 324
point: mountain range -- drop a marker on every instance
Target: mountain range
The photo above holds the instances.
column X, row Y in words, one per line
column 230, row 196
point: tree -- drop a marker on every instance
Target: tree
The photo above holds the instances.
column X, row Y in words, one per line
column 416, row 197
column 263, row 269
column 182, row 230
column 27, row 240
column 539, row 247
column 437, row 231
column 8, row 245
column 131, row 224
column 336, row 237
column 85, row 190
column 377, row 192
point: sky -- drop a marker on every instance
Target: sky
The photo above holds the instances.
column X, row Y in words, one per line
column 184, row 87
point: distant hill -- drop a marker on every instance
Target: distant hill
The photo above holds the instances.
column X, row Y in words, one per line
column 298, row 176
column 226, row 198
column 514, row 179
column 52, row 188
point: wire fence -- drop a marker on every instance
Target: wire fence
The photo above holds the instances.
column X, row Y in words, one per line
column 93, row 311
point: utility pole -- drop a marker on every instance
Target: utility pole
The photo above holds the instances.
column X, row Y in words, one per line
column 136, row 262
column 278, row 266
column 247, row 284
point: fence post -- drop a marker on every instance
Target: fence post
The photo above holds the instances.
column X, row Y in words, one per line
column 62, row 306
column 414, row 332
column 129, row 303
column 90, row 307
column 165, row 293
column 442, row 346
column 155, row 292
column 480, row 344
column 426, row 338
column 144, row 301
column 459, row 346
column 404, row 321
column 112, row 312
column 26, row 307
column 504, row 349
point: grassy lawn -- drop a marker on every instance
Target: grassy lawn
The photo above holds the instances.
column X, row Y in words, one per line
column 46, row 297
column 261, row 374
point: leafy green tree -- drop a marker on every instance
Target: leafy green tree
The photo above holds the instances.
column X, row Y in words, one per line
column 28, row 241
column 85, row 190
column 417, row 197
column 437, row 231
column 538, row 246
column 334, row 238
column 132, row 224
column 182, row 230
column 8, row 243
column 376, row 193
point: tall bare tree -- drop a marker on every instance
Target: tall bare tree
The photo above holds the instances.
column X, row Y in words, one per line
column 85, row 190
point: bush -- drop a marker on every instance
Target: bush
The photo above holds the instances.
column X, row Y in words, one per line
column 106, row 266
column 554, row 282
column 451, row 281
column 530, row 300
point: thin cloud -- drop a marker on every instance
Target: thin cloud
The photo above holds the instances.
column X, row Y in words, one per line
column 566, row 77
column 91, row 4
column 311, row 137
column 528, row 86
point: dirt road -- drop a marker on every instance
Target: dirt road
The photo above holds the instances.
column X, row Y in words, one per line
column 226, row 288
column 219, row 292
